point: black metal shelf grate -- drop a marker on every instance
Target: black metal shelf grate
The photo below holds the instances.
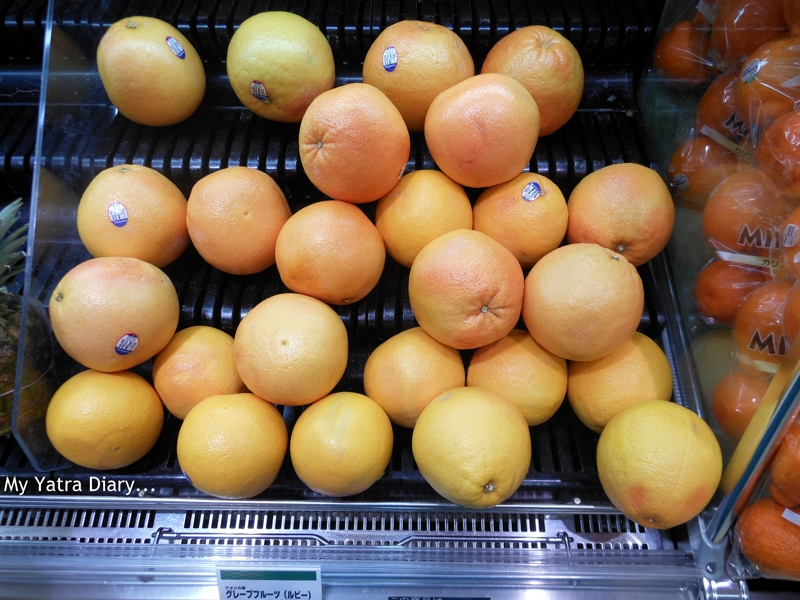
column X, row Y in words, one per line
column 606, row 32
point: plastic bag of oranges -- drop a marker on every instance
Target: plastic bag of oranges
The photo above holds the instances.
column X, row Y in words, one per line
column 767, row 534
column 759, row 344
column 738, row 58
column 764, row 326
column 741, row 220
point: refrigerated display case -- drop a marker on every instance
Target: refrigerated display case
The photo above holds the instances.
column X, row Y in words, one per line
column 144, row 531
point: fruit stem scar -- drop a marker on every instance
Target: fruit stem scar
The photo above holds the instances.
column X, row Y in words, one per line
column 484, row 309
column 319, row 144
column 489, row 487
column 131, row 25
column 621, row 248
column 347, row 300
column 124, row 170
column 615, row 257
column 59, row 297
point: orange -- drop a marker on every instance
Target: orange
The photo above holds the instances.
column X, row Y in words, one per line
column 150, row 71
column 735, row 400
column 466, row 289
column 742, row 26
column 330, row 250
column 791, row 314
column 482, row 131
column 698, row 166
column 789, row 240
column 104, row 420
column 717, row 109
column 636, row 371
column 721, row 287
column 791, row 12
column 408, row 370
column 778, row 150
column 582, row 301
column 232, row 445
column 354, row 144
column 770, row 541
column 519, row 369
column 758, row 331
column 342, row 444
column 785, row 486
column 659, row 463
column 528, row 215
column 549, row 67
column 197, row 363
column 624, row 207
column 234, row 216
column 277, row 63
column 421, row 207
column 742, row 215
column 472, row 446
column 767, row 86
column 291, row 349
column 682, row 53
column 412, row 62
column 111, row 314
column 134, row 211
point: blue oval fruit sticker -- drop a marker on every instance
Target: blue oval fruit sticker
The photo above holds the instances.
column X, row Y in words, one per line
column 117, row 213
column 750, row 71
column 681, row 181
column 176, row 47
column 390, row 59
column 531, row 191
column 258, row 90
column 126, row 344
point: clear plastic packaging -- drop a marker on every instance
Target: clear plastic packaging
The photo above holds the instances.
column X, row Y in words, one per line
column 767, row 534
column 728, row 149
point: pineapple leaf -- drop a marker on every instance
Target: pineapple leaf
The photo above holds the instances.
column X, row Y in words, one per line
column 10, row 243
column 8, row 216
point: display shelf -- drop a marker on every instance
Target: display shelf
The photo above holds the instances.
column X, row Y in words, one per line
column 557, row 536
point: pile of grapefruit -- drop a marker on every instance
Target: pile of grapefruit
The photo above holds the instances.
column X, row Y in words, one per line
column 522, row 297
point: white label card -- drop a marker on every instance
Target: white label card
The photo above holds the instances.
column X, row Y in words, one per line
column 284, row 583
column 723, row 141
column 753, row 261
column 707, row 11
column 791, row 516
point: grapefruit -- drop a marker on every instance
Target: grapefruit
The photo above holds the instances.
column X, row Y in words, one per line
column 412, row 62
column 277, row 63
column 472, row 446
column 466, row 289
column 104, row 420
column 659, row 463
column 342, row 444
column 582, row 301
column 482, row 131
column 112, row 313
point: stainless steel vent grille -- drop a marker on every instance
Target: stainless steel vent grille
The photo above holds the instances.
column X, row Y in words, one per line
column 412, row 529
column 79, row 525
column 616, row 526
column 24, row 517
column 423, row 529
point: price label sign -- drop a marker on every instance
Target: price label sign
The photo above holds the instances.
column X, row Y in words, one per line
column 270, row 583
